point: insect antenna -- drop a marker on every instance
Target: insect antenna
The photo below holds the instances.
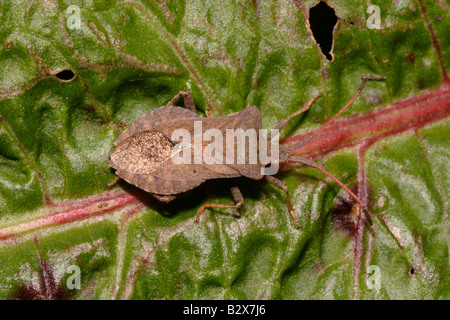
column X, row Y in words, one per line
column 289, row 157
column 310, row 163
column 309, row 137
column 285, row 121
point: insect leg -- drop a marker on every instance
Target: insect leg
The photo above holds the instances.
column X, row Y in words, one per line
column 314, row 165
column 117, row 126
column 282, row 186
column 208, row 110
column 188, row 101
column 112, row 183
column 238, row 199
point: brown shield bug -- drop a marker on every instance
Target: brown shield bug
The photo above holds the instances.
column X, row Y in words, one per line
column 144, row 152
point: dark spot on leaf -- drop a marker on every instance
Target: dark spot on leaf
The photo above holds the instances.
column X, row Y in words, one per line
column 325, row 74
column 438, row 18
column 411, row 271
column 345, row 214
column 91, row 109
column 47, row 289
column 412, row 57
column 28, row 293
column 421, row 84
column 257, row 82
column 50, row 289
column 319, row 266
column 322, row 20
column 65, row 75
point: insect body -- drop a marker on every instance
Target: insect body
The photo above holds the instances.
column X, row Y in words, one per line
column 143, row 154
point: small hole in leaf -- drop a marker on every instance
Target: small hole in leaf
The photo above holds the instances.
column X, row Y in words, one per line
column 411, row 271
column 65, row 75
column 322, row 20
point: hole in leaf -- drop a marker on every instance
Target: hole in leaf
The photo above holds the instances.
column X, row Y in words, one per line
column 65, row 75
column 411, row 271
column 322, row 20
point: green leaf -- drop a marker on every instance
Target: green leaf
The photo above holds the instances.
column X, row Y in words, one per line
column 129, row 57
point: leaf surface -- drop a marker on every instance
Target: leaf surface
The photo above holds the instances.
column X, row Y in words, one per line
column 128, row 57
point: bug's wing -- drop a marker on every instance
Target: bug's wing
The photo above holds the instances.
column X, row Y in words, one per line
column 249, row 118
column 170, row 179
column 155, row 119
